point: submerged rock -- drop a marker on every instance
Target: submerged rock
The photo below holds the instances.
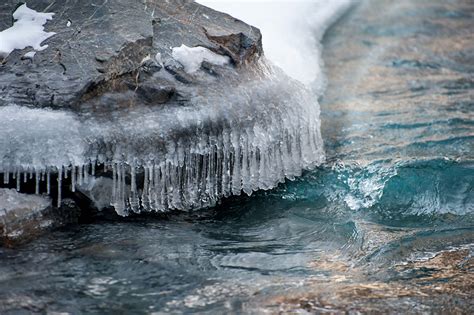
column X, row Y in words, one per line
column 110, row 92
column 23, row 216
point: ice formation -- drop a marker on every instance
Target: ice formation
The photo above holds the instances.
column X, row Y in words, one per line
column 251, row 137
column 27, row 31
column 192, row 58
column 229, row 138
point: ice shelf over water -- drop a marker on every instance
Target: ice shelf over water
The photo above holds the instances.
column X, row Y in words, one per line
column 225, row 139
column 228, row 139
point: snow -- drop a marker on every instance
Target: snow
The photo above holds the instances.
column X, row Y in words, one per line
column 29, row 55
column 27, row 31
column 192, row 58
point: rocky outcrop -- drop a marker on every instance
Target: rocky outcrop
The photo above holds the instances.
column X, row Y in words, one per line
column 100, row 47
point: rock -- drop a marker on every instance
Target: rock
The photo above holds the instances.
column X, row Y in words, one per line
column 24, row 217
column 107, row 43
column 109, row 94
column 150, row 66
column 154, row 93
column 177, row 70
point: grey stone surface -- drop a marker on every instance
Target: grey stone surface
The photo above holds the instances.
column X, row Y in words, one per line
column 106, row 44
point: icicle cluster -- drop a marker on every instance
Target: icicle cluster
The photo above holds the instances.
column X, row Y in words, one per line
column 225, row 141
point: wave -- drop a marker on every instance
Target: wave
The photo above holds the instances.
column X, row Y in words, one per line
column 395, row 193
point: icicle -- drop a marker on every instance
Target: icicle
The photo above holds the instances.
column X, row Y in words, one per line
column 161, row 176
column 120, row 190
column 73, row 178
column 6, row 177
column 222, row 152
column 145, row 194
column 236, row 170
column 114, row 184
column 154, row 191
column 48, row 181
column 123, row 190
column 37, row 180
column 18, row 180
column 60, row 184
column 86, row 173
column 93, row 168
column 81, row 174
column 133, row 200
column 246, row 171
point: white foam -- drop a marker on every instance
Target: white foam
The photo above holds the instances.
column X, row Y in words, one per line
column 27, row 31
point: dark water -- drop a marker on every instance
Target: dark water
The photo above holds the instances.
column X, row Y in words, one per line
column 397, row 188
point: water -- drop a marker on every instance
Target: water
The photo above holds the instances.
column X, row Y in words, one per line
column 363, row 232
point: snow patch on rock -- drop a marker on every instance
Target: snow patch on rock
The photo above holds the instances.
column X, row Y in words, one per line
column 27, row 31
column 192, row 58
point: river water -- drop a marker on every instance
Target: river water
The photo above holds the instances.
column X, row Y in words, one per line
column 386, row 224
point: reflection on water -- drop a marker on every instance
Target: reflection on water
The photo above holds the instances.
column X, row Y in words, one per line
column 386, row 225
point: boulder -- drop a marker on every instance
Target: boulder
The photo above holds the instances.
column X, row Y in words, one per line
column 24, row 217
column 99, row 46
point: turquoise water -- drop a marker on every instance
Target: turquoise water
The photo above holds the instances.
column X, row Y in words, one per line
column 397, row 187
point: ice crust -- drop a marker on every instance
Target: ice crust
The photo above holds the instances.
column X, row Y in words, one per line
column 27, row 31
column 229, row 139
column 11, row 200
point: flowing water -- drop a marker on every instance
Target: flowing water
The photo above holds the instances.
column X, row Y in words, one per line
column 363, row 232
